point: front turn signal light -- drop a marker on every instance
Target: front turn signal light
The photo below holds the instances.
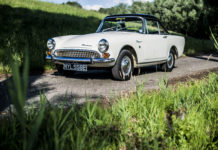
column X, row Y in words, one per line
column 49, row 53
column 106, row 55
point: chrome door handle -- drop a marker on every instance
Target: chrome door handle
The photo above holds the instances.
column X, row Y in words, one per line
column 165, row 36
column 138, row 41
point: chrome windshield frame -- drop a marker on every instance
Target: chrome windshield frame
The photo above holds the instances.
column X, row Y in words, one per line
column 143, row 22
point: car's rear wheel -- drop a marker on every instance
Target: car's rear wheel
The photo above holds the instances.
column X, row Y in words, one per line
column 169, row 65
column 62, row 71
column 124, row 66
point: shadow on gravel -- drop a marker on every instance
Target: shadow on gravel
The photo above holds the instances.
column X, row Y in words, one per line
column 91, row 74
column 207, row 57
column 105, row 73
column 68, row 99
column 150, row 69
column 33, row 90
column 73, row 97
column 37, row 89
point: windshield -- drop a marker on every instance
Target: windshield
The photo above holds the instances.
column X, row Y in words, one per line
column 122, row 25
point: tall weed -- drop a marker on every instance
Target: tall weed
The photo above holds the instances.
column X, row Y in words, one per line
column 214, row 39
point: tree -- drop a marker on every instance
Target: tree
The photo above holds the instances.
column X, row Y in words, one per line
column 75, row 4
column 141, row 7
column 190, row 17
column 210, row 18
column 182, row 16
column 118, row 9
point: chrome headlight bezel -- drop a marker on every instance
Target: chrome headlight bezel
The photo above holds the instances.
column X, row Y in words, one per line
column 103, row 45
column 51, row 44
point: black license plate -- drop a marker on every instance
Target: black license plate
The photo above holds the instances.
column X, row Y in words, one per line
column 75, row 67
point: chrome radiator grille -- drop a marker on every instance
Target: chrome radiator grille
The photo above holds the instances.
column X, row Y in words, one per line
column 77, row 53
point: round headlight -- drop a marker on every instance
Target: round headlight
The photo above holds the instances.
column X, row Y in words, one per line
column 103, row 45
column 51, row 44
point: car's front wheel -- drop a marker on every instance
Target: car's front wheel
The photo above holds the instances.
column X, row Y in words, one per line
column 124, row 66
column 169, row 65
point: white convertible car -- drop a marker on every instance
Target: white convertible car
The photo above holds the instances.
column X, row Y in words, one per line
column 122, row 43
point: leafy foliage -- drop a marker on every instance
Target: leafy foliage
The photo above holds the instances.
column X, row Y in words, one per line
column 75, row 4
column 118, row 9
column 189, row 17
column 181, row 16
column 211, row 8
column 141, row 7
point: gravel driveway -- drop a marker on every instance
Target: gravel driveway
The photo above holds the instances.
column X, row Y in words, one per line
column 99, row 84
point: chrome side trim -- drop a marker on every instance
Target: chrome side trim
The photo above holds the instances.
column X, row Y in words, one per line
column 84, row 60
column 150, row 63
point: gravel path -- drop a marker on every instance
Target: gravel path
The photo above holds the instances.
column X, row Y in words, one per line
column 99, row 84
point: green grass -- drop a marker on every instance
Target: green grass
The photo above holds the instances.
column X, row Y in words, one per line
column 181, row 117
column 52, row 8
column 195, row 46
column 28, row 24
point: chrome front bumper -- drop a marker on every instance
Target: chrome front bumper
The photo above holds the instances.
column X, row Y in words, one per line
column 82, row 60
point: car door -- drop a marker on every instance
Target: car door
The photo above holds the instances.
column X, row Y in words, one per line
column 153, row 43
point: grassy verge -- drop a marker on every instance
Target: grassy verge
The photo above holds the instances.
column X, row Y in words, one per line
column 194, row 46
column 28, row 24
column 185, row 117
column 51, row 8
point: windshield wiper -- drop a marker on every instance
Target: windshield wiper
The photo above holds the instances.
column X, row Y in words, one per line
column 122, row 29
column 108, row 29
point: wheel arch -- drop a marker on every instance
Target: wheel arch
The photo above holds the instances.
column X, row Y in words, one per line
column 175, row 50
column 132, row 50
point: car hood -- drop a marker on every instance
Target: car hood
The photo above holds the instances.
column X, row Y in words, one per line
column 88, row 41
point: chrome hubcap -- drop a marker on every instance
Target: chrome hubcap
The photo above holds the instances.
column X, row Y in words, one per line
column 126, row 65
column 170, row 60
